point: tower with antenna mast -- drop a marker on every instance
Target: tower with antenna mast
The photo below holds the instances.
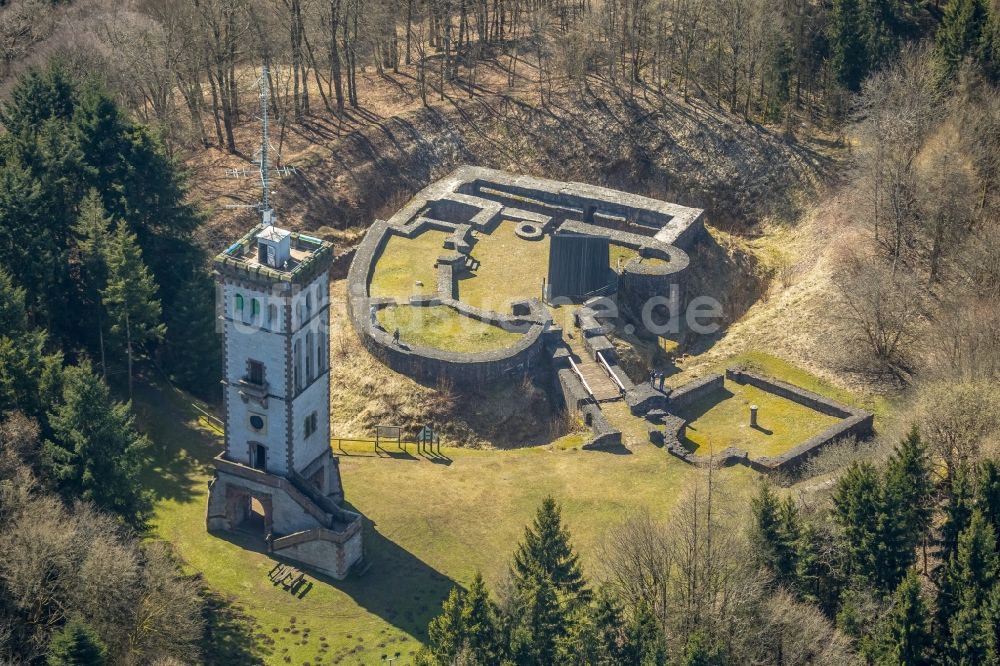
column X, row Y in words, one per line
column 278, row 477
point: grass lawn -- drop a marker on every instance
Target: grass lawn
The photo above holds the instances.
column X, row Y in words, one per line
column 406, row 261
column 722, row 420
column 511, row 268
column 431, row 524
column 442, row 328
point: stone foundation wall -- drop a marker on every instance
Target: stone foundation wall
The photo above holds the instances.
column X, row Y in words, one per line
column 327, row 552
column 791, row 392
column 692, row 392
column 853, row 423
column 432, row 365
column 579, row 402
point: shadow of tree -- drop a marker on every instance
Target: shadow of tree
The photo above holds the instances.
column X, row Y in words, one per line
column 231, row 636
column 181, row 451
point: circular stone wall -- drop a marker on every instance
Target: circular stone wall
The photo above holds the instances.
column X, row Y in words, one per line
column 529, row 231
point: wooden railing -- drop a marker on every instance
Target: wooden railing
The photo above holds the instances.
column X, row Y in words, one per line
column 580, row 375
column 607, row 367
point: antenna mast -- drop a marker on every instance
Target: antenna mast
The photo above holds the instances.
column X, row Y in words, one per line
column 263, row 161
column 265, row 166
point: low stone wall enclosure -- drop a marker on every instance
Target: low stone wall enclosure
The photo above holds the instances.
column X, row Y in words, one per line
column 853, row 422
column 583, row 368
column 478, row 199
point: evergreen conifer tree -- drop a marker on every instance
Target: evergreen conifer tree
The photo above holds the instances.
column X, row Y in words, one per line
column 964, row 33
column 904, row 638
column 193, row 347
column 98, row 454
column 540, row 622
column 989, row 493
column 93, row 241
column 609, row 625
column 130, row 296
column 957, row 511
column 700, row 650
column 646, row 644
column 963, row 600
column 479, row 622
column 76, row 645
column 847, row 42
column 29, row 376
column 546, row 553
column 446, row 632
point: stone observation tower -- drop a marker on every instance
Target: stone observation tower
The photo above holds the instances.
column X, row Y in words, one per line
column 278, row 477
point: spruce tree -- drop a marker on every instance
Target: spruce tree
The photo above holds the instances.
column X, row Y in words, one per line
column 989, row 493
column 193, row 347
column 957, row 511
column 97, row 454
column 446, row 632
column 880, row 25
column 646, row 643
column 93, row 241
column 908, row 478
column 700, row 650
column 130, row 296
column 964, row 33
column 904, row 637
column 29, row 376
column 609, row 625
column 479, row 622
column 546, row 553
column 847, row 42
column 766, row 534
column 76, row 645
column 857, row 503
column 963, row 600
column 540, row 622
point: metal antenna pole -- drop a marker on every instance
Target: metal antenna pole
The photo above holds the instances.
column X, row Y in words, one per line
column 264, row 167
column 265, row 176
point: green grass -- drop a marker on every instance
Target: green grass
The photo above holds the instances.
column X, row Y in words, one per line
column 511, row 268
column 441, row 327
column 430, row 525
column 722, row 420
column 626, row 254
column 406, row 261
column 781, row 369
column 621, row 253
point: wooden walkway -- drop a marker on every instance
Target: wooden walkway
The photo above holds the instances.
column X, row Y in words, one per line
column 600, row 383
column 602, row 387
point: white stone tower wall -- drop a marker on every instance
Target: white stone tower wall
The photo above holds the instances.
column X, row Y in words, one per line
column 252, row 338
column 264, row 338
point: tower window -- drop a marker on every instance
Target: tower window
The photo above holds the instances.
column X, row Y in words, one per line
column 254, row 307
column 272, row 314
column 309, row 357
column 309, row 304
column 239, row 302
column 311, row 424
column 255, row 372
column 297, row 370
